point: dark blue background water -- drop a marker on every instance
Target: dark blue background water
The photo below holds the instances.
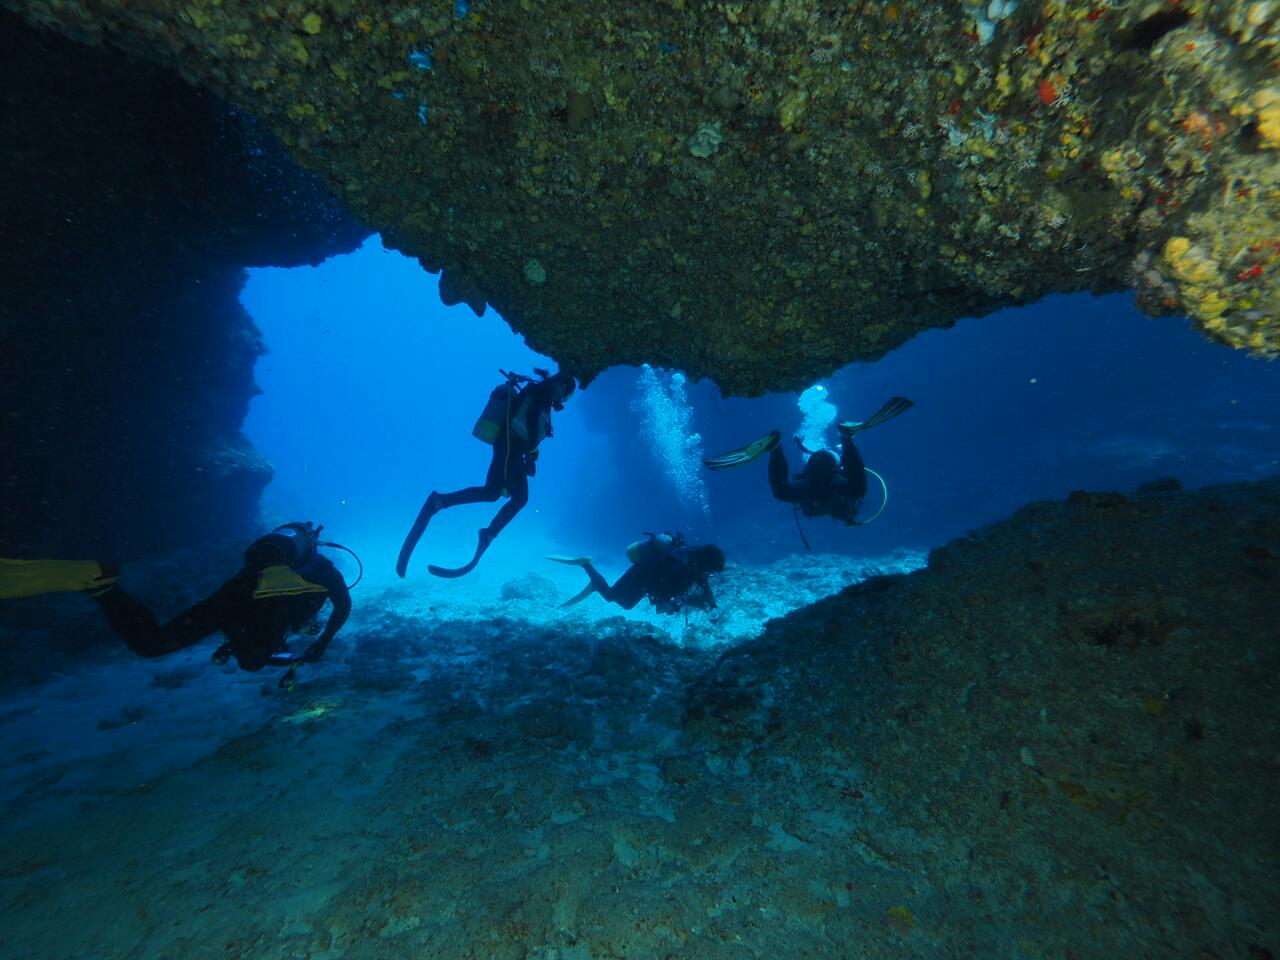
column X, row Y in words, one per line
column 372, row 387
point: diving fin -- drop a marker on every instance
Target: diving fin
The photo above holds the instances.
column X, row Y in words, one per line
column 452, row 573
column 892, row 407
column 429, row 509
column 578, row 597
column 571, row 561
column 735, row 458
column 30, row 578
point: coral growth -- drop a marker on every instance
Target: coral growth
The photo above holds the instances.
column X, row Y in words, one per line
column 763, row 192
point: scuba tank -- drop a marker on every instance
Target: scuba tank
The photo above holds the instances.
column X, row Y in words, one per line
column 509, row 404
column 292, row 545
column 653, row 546
column 289, row 545
column 489, row 426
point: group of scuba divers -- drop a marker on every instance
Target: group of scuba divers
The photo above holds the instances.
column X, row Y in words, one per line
column 285, row 580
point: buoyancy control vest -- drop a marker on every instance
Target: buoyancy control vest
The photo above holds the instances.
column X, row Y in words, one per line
column 278, row 555
column 283, row 581
column 520, row 420
column 508, row 406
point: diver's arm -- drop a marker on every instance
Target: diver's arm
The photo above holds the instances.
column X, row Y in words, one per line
column 709, row 598
column 327, row 576
column 780, row 482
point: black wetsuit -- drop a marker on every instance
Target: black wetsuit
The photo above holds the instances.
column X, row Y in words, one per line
column 255, row 628
column 513, row 460
column 839, row 496
column 669, row 580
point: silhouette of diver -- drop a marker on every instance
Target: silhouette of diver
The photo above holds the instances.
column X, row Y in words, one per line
column 281, row 588
column 671, row 573
column 827, row 486
column 515, row 421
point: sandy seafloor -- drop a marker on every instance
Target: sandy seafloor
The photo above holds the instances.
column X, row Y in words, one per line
column 465, row 775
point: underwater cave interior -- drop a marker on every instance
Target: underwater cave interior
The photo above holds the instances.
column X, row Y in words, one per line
column 1029, row 710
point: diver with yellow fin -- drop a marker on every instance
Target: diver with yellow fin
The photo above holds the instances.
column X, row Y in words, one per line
column 282, row 587
column 670, row 572
column 827, row 486
column 516, row 419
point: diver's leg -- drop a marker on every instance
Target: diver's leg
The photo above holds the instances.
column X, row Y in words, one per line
column 852, row 467
column 518, row 488
column 434, row 503
column 627, row 592
column 135, row 624
column 780, row 476
column 494, row 481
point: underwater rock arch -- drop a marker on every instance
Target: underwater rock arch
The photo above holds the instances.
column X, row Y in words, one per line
column 763, row 192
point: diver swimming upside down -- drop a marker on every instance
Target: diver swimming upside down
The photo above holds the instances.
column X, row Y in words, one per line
column 827, row 485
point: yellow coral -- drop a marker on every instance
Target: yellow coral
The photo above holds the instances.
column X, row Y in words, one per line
column 791, row 108
column 197, row 17
column 901, row 918
column 312, row 23
column 1189, row 262
column 1212, row 305
column 1267, row 103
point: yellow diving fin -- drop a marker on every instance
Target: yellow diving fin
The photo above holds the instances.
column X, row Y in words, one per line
column 735, row 458
column 30, row 578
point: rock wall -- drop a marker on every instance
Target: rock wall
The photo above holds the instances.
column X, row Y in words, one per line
column 130, row 204
column 1055, row 743
column 762, row 192
column 1066, row 723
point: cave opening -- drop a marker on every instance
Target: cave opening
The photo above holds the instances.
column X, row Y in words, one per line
column 370, row 387
column 847, row 757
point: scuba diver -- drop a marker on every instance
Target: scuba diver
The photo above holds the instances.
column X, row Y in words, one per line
column 284, row 583
column 515, row 420
column 827, row 486
column 672, row 574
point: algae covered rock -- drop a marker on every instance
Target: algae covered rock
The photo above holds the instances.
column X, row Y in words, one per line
column 1070, row 711
column 763, row 192
column 533, row 587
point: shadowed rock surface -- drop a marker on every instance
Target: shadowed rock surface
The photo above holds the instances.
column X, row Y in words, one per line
column 130, row 204
column 1056, row 741
column 762, row 192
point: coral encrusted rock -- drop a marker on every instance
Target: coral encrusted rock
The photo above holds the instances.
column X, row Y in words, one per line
column 1067, row 719
column 881, row 168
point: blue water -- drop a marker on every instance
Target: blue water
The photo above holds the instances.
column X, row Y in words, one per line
column 371, row 388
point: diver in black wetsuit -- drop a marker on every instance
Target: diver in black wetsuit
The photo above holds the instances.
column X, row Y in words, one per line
column 827, row 486
column 282, row 587
column 672, row 574
column 516, row 420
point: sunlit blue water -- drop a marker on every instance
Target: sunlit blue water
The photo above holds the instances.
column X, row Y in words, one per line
column 371, row 388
